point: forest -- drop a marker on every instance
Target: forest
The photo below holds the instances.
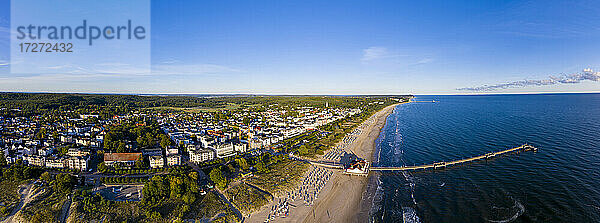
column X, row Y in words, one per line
column 107, row 105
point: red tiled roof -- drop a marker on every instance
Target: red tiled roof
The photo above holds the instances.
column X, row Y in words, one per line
column 121, row 156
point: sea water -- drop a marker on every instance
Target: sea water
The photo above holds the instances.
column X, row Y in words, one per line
column 558, row 183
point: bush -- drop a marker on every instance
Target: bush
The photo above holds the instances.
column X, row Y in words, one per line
column 217, row 177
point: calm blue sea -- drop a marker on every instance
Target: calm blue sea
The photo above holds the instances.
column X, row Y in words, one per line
column 559, row 183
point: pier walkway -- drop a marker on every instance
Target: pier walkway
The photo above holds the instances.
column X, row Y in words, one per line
column 524, row 147
column 432, row 101
column 336, row 165
column 330, row 165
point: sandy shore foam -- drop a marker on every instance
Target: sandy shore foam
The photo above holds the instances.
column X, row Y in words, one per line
column 343, row 198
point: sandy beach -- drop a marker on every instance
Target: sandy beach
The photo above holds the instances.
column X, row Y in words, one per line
column 341, row 203
column 341, row 197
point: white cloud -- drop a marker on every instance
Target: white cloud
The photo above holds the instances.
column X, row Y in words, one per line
column 424, row 61
column 70, row 72
column 171, row 61
column 586, row 75
column 170, row 67
column 190, row 69
column 376, row 53
column 44, row 78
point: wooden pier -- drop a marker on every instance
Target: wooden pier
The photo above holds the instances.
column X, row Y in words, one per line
column 330, row 165
column 524, row 147
column 432, row 101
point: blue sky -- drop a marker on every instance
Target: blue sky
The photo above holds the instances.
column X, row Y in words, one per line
column 346, row 47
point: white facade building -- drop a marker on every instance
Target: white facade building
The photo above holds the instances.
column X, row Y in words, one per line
column 157, row 161
column 202, row 155
column 174, row 160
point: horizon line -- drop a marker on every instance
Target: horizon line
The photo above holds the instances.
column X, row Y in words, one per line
column 287, row 94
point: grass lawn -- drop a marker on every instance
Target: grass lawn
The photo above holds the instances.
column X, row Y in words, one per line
column 204, row 208
column 46, row 207
column 113, row 212
column 212, row 207
column 246, row 198
column 282, row 176
column 9, row 196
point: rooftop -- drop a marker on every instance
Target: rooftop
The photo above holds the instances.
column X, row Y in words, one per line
column 121, row 156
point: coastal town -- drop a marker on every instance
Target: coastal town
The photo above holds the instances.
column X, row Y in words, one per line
column 231, row 158
column 187, row 111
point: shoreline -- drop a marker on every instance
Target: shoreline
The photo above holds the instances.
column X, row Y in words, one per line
column 342, row 199
column 369, row 191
